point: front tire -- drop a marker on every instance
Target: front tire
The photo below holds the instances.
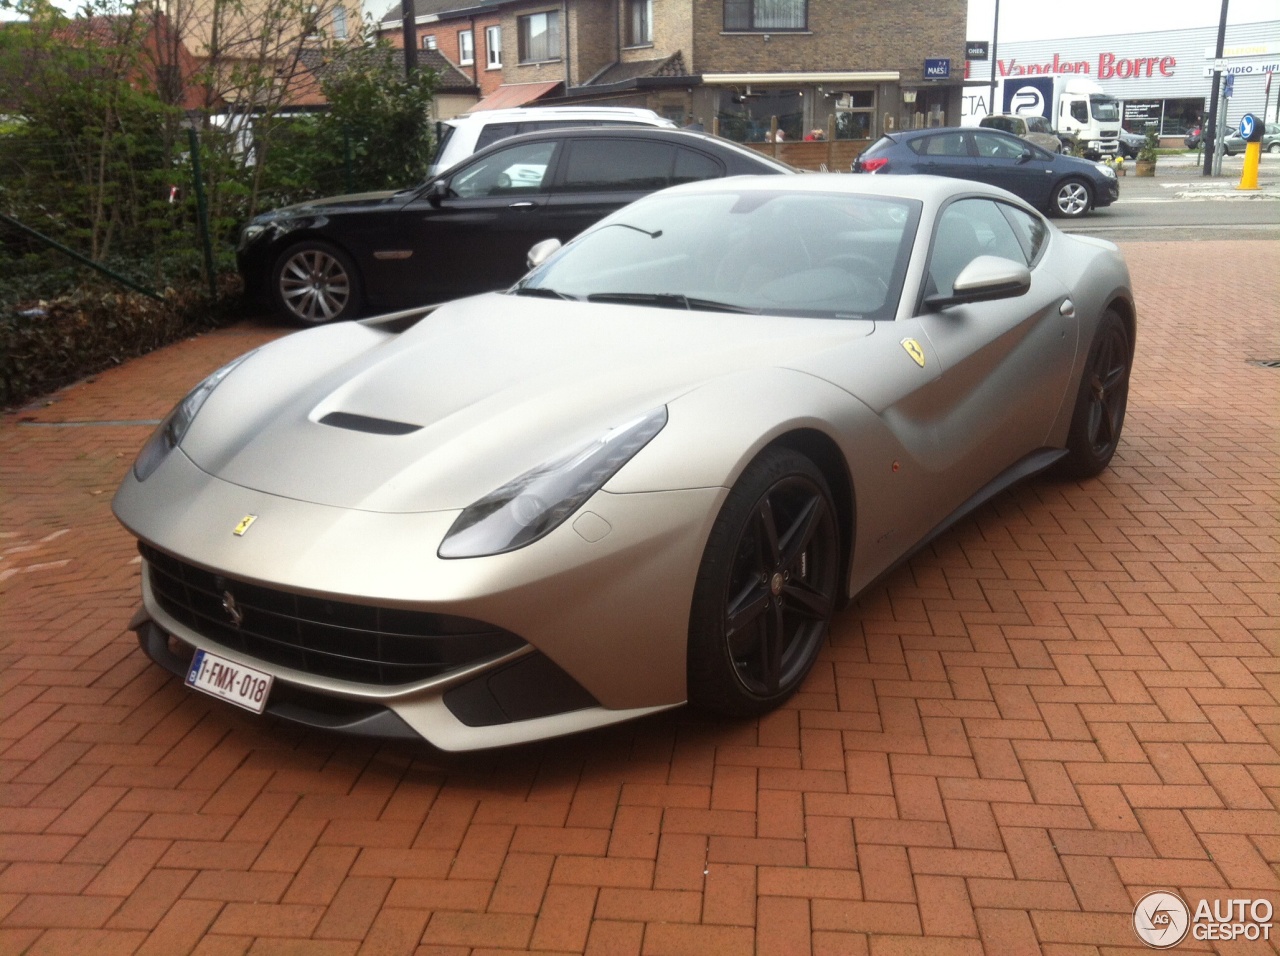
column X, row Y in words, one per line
column 766, row 590
column 315, row 282
column 1103, row 395
column 1071, row 199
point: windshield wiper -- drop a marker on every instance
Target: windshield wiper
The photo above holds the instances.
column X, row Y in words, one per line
column 669, row 300
column 543, row 292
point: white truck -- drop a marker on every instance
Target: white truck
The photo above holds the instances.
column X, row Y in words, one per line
column 1073, row 105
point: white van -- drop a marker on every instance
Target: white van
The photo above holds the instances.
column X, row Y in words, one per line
column 458, row 138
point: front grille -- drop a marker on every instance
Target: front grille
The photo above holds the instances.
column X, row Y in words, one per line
column 352, row 642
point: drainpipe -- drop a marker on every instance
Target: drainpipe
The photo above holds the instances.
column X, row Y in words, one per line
column 565, row 39
column 475, row 54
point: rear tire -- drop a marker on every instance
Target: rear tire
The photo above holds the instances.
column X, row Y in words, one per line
column 766, row 590
column 1101, row 400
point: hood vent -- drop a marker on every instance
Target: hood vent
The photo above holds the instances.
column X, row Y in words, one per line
column 363, row 423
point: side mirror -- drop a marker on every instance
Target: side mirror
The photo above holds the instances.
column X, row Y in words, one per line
column 1027, row 155
column 541, row 252
column 984, row 279
column 437, row 191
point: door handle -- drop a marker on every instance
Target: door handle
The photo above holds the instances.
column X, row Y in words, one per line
column 523, row 204
column 1068, row 308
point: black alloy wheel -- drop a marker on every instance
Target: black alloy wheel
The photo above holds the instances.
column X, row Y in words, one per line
column 766, row 590
column 1098, row 417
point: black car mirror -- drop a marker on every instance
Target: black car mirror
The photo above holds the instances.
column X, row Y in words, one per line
column 437, row 191
column 984, row 279
column 1028, row 154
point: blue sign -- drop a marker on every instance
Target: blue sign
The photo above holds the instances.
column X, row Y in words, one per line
column 937, row 69
column 1247, row 123
column 1229, row 87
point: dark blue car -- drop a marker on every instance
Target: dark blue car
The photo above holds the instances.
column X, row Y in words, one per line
column 1060, row 185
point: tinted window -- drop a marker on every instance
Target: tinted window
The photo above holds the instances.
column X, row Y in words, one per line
column 617, row 165
column 692, row 165
column 516, row 169
column 997, row 147
column 1031, row 230
column 1038, row 124
column 1006, row 123
column 947, row 144
column 492, row 132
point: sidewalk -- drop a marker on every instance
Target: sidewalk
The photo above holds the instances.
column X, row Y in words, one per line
column 1068, row 701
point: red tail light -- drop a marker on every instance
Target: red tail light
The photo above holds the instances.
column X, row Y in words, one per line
column 874, row 165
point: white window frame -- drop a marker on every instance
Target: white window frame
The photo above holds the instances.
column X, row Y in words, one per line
column 466, row 48
column 428, row 41
column 493, row 48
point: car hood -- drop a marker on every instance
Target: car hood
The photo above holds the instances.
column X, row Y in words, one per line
column 332, row 204
column 482, row 390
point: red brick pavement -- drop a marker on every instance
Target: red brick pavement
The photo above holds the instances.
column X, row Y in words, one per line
column 1069, row 701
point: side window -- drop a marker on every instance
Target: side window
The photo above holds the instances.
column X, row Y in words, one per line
column 1032, row 231
column 1080, row 111
column 948, row 144
column 997, row 147
column 692, row 166
column 967, row 229
column 610, row 165
column 512, row 171
column 492, row 132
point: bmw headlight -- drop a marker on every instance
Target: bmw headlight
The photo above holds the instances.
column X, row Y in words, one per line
column 533, row 505
column 251, row 232
column 171, row 431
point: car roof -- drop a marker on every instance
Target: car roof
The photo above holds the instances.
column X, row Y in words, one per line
column 554, row 113
column 924, row 188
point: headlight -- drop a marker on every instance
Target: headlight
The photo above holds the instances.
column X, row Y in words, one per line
column 533, row 505
column 1106, row 170
column 171, row 431
column 251, row 232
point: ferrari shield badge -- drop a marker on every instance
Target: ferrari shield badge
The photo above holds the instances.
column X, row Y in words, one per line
column 245, row 522
column 914, row 350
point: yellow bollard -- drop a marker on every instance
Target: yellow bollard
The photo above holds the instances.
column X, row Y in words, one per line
column 1252, row 157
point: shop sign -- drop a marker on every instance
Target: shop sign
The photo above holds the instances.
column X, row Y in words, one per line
column 1109, row 66
column 1141, row 114
column 976, row 50
column 937, row 69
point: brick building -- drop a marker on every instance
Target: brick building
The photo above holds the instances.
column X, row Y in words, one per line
column 852, row 67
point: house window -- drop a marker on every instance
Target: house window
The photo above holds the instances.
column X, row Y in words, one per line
column 429, row 41
column 639, row 22
column 339, row 23
column 539, row 36
column 493, row 48
column 466, row 48
column 313, row 23
column 760, row 15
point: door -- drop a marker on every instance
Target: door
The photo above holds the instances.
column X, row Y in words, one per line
column 1013, row 164
column 474, row 234
column 945, row 154
column 1005, row 364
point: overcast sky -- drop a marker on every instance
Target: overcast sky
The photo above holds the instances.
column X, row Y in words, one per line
column 1037, row 20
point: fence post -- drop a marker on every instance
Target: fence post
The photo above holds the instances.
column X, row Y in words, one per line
column 202, row 211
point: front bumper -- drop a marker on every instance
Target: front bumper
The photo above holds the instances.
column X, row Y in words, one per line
column 605, row 598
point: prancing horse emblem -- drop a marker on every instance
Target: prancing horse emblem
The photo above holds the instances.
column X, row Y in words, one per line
column 914, row 350
column 232, row 608
column 243, row 526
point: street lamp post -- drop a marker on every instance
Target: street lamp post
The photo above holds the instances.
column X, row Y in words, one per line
column 995, row 61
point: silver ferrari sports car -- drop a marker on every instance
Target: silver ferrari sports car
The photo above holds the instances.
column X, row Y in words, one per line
column 647, row 474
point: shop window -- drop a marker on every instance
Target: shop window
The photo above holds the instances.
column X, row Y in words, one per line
column 765, row 15
column 539, row 36
column 639, row 22
column 854, row 113
column 466, row 48
column 747, row 117
column 493, row 48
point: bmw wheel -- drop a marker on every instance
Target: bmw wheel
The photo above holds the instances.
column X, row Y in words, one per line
column 315, row 282
column 1071, row 198
column 1098, row 416
column 766, row 590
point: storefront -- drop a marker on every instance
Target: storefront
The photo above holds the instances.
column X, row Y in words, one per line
column 1162, row 79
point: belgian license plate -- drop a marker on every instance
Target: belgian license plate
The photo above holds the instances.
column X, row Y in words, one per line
column 243, row 686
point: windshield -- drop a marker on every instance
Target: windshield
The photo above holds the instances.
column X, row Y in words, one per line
column 1105, row 109
column 781, row 252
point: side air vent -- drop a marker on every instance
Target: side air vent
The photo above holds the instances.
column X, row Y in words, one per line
column 363, row 423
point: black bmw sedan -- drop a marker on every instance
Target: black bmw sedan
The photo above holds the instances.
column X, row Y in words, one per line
column 470, row 228
column 1060, row 185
